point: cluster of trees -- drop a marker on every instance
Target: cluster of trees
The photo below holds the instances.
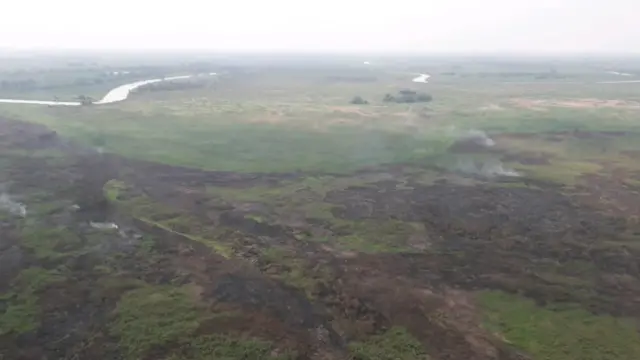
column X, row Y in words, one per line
column 407, row 96
column 85, row 100
column 402, row 97
column 552, row 74
column 358, row 100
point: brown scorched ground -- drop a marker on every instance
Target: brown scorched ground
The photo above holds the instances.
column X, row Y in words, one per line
column 315, row 295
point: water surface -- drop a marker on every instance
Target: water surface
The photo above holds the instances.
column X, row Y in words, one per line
column 118, row 94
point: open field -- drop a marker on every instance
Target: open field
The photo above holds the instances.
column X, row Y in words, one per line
column 262, row 215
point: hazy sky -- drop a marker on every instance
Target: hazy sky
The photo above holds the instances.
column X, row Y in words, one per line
column 318, row 25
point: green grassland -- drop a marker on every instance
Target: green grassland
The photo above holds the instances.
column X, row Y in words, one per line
column 395, row 344
column 279, row 121
column 563, row 333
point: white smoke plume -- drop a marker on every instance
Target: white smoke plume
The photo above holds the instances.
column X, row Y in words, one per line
column 487, row 168
column 11, row 206
column 479, row 137
column 103, row 226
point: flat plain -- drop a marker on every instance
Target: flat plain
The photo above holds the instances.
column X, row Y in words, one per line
column 321, row 208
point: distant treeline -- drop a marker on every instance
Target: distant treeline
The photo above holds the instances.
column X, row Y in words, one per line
column 407, row 96
column 47, row 79
column 402, row 97
column 32, row 84
column 46, row 84
column 353, row 79
column 513, row 74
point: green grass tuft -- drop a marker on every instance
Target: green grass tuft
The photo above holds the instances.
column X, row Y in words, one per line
column 295, row 271
column 20, row 318
column 221, row 347
column 35, row 279
column 147, row 210
column 559, row 334
column 23, row 311
column 395, row 344
column 153, row 316
column 112, row 189
column 373, row 236
column 562, row 172
column 50, row 243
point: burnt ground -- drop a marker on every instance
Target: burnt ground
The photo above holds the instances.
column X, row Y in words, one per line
column 380, row 252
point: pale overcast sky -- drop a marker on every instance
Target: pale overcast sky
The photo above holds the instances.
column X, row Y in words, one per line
column 320, row 25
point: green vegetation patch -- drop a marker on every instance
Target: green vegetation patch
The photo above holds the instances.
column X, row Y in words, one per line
column 36, row 279
column 23, row 312
column 294, row 271
column 559, row 334
column 21, row 317
column 153, row 316
column 51, row 243
column 145, row 209
column 562, row 172
column 113, row 188
column 553, row 119
column 310, row 187
column 229, row 141
column 300, row 197
column 395, row 344
column 266, row 148
column 374, row 236
column 222, row 347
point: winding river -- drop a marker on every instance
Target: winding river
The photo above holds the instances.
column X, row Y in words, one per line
column 118, row 94
column 122, row 92
column 423, row 78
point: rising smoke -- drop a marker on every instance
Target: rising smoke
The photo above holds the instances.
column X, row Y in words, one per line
column 484, row 167
column 479, row 137
column 12, row 206
column 472, row 160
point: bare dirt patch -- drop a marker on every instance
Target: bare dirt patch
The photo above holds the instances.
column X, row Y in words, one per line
column 616, row 190
column 541, row 104
column 491, row 107
column 341, row 110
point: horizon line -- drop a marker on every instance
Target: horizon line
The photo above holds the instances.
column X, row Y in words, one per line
column 209, row 51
